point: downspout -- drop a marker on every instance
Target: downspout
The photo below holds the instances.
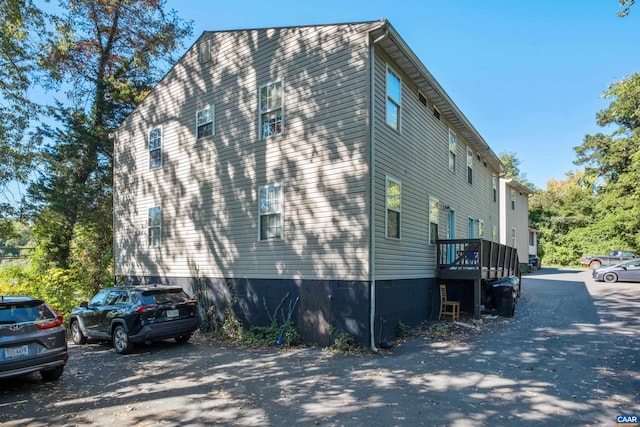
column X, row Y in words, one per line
column 114, row 140
column 372, row 170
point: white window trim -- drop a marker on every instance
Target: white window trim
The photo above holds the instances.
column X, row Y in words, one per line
column 388, row 97
column 149, row 227
column 281, row 213
column 494, row 187
column 282, row 108
column 513, row 199
column 453, row 148
column 212, row 117
column 149, row 150
column 433, row 200
column 469, row 166
column 481, row 229
column 386, row 208
column 204, row 51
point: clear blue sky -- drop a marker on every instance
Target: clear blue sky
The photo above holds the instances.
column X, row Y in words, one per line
column 529, row 75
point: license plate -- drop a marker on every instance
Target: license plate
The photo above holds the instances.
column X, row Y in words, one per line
column 173, row 313
column 12, row 352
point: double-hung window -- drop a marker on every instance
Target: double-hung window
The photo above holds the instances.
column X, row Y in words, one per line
column 469, row 166
column 453, row 146
column 494, row 187
column 270, row 212
column 155, row 226
column 393, row 202
column 155, row 148
column 513, row 200
column 204, row 51
column 271, row 109
column 394, row 99
column 205, row 121
column 434, row 219
column 481, row 229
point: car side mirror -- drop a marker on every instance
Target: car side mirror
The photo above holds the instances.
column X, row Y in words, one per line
column 84, row 304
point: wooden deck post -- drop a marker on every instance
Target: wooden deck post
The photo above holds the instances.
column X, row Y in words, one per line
column 477, row 300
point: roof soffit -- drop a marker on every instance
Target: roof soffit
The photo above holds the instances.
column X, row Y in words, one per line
column 400, row 53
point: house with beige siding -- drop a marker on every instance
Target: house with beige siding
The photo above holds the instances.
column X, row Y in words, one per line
column 322, row 162
column 514, row 219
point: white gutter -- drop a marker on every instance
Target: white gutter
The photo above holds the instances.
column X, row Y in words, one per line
column 372, row 216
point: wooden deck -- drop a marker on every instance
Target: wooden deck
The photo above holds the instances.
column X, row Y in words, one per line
column 476, row 261
column 472, row 259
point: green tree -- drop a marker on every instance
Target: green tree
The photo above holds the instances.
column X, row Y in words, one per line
column 626, row 7
column 20, row 20
column 612, row 163
column 512, row 164
column 107, row 56
column 560, row 214
column 17, row 242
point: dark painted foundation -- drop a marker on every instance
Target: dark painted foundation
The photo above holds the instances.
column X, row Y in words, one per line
column 324, row 305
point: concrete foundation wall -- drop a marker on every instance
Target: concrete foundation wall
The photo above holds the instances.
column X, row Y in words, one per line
column 324, row 305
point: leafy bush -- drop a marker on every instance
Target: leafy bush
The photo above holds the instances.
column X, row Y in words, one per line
column 58, row 287
column 343, row 342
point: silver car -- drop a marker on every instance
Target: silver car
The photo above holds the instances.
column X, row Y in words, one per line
column 628, row 271
column 32, row 338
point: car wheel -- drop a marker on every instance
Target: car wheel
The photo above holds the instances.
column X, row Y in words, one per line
column 52, row 374
column 610, row 277
column 121, row 340
column 595, row 264
column 76, row 333
column 183, row 338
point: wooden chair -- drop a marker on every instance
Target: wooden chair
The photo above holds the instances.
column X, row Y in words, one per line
column 451, row 308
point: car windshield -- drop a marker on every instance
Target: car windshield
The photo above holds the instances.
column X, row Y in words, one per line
column 24, row 311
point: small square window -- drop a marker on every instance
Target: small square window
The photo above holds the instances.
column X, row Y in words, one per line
column 422, row 99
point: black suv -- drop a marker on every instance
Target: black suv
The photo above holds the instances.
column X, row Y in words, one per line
column 32, row 338
column 135, row 314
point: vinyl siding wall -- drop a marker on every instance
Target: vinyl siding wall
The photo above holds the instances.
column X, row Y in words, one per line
column 208, row 188
column 518, row 219
column 418, row 156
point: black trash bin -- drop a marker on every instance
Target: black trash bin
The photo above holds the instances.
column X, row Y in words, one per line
column 503, row 294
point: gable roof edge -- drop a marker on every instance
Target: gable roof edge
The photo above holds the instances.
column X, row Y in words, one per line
column 395, row 46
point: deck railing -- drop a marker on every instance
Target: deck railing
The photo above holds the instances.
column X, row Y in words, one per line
column 476, row 259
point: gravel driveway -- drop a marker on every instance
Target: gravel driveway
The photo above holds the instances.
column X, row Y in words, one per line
column 569, row 357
